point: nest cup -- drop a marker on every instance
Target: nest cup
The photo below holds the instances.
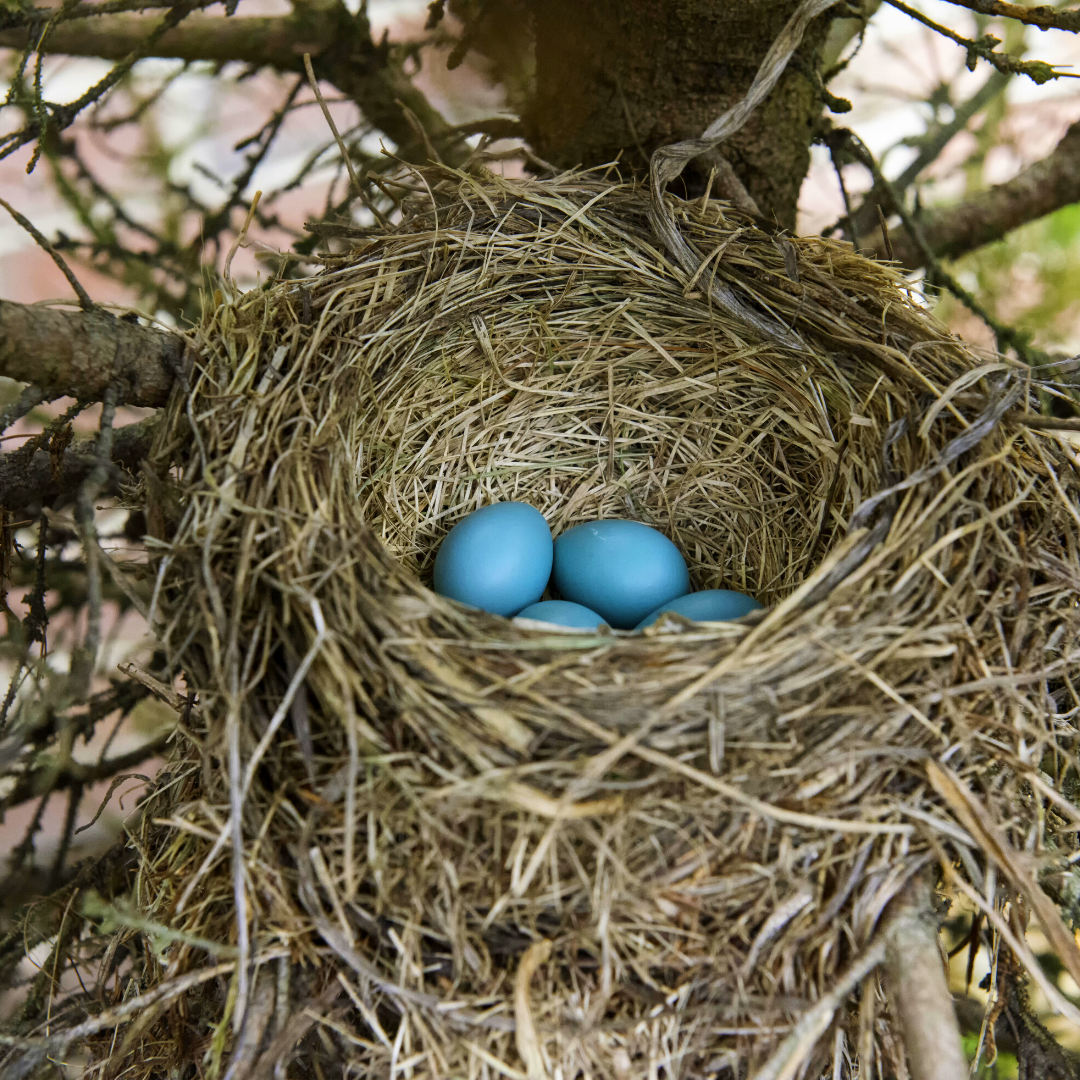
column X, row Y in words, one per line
column 482, row 848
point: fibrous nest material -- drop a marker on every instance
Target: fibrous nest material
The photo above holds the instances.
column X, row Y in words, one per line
column 476, row 848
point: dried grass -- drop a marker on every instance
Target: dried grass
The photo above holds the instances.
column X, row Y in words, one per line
column 493, row 850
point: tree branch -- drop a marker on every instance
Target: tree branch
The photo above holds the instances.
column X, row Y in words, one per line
column 1044, row 16
column 276, row 42
column 950, row 232
column 929, row 147
column 984, row 48
column 51, row 773
column 915, row 974
column 340, row 44
column 82, row 353
column 32, row 483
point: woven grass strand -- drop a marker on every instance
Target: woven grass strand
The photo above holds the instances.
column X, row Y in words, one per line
column 660, row 807
column 668, row 162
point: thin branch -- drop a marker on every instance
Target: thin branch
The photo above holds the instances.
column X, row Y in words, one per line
column 1044, row 16
column 33, row 626
column 983, row 49
column 1006, row 336
column 48, row 776
column 314, row 83
column 85, row 655
column 915, row 975
column 930, row 147
column 26, row 402
column 30, row 481
column 263, row 41
column 62, row 116
column 84, row 297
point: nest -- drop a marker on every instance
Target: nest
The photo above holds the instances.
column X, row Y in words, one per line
column 479, row 848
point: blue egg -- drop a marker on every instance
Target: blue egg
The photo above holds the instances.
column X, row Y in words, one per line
column 562, row 613
column 621, row 569
column 709, row 605
column 497, row 559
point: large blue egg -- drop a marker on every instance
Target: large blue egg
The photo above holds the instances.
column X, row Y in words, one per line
column 620, row 569
column 497, row 559
column 562, row 613
column 709, row 605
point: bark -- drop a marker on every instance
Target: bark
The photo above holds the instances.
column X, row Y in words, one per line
column 1042, row 188
column 622, row 79
column 82, row 353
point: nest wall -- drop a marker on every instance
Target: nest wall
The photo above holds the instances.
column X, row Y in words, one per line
column 488, row 849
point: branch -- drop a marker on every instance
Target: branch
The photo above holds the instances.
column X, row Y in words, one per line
column 33, row 483
column 270, row 41
column 929, row 146
column 984, row 47
column 1043, row 16
column 915, row 974
column 950, row 232
column 51, row 773
column 82, row 353
column 340, row 44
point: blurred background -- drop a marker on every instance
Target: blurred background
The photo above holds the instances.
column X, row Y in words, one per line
column 147, row 192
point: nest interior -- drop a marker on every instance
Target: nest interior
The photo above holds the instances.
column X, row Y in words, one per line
column 478, row 849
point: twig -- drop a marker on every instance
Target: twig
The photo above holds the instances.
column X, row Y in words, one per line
column 1045, row 423
column 84, row 297
column 983, row 49
column 176, row 701
column 1044, row 16
column 69, row 773
column 116, row 782
column 330, row 123
column 31, row 397
column 75, row 794
column 1006, row 336
column 63, row 116
column 33, row 627
column 856, row 240
column 930, row 147
column 915, row 975
column 26, row 846
column 342, row 148
column 885, row 232
column 227, row 271
column 86, row 654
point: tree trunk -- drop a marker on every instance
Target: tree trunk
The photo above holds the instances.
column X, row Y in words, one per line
column 613, row 77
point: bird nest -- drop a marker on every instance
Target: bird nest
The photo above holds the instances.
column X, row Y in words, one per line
column 430, row 842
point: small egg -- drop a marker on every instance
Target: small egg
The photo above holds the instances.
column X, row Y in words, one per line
column 709, row 605
column 620, row 569
column 562, row 613
column 498, row 558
